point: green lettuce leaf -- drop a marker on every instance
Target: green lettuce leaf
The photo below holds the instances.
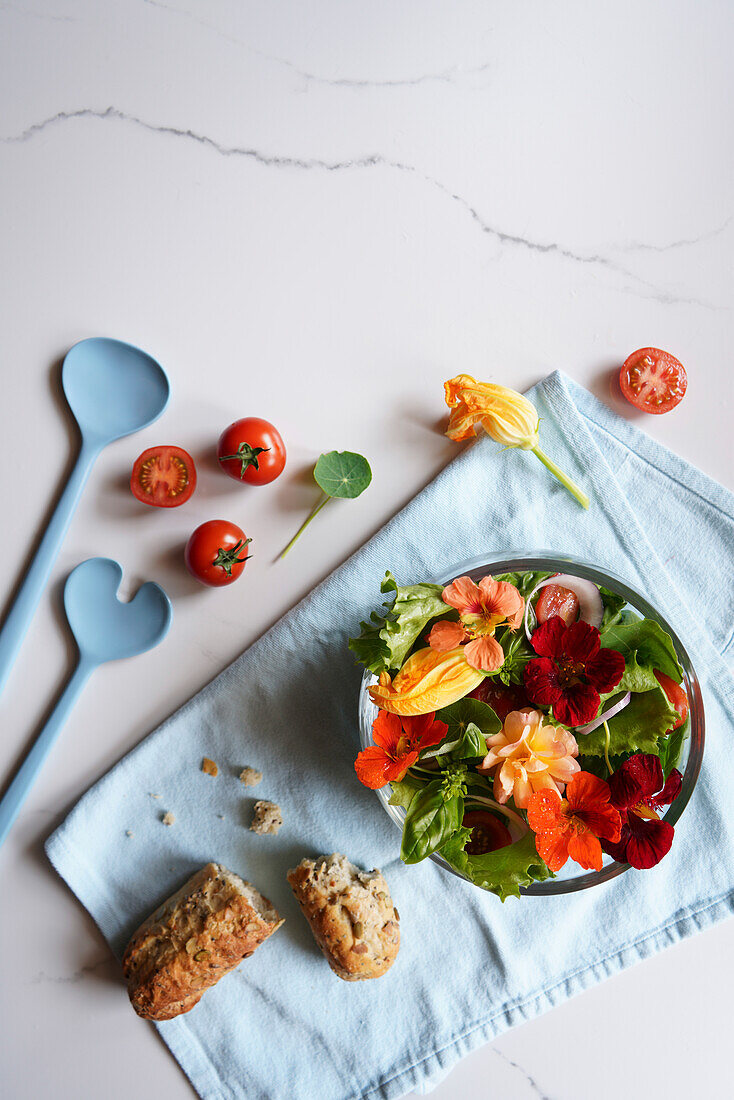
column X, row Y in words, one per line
column 637, row 728
column 523, row 582
column 502, row 872
column 636, row 677
column 613, row 607
column 386, row 640
column 652, row 645
column 671, row 747
column 402, row 792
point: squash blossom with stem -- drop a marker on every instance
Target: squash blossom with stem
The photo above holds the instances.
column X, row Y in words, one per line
column 506, row 416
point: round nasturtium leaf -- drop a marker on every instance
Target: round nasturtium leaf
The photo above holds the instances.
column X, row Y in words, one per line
column 342, row 474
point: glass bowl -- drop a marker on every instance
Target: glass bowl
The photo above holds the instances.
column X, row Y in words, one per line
column 567, row 880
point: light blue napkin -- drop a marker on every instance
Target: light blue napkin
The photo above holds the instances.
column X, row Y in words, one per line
column 282, row 1025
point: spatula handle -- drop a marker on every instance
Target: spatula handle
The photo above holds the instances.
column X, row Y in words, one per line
column 18, row 619
column 16, row 793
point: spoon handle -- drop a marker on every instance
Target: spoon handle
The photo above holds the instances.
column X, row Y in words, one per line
column 18, row 619
column 15, row 795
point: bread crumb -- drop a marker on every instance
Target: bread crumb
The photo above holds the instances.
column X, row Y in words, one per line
column 168, row 818
column 221, row 817
column 267, row 818
column 129, row 833
column 250, row 776
column 153, row 795
column 209, row 766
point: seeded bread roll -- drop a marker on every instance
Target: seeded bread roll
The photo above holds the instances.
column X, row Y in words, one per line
column 351, row 915
column 192, row 940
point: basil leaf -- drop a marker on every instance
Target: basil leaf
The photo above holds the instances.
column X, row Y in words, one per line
column 386, row 640
column 342, row 474
column 649, row 641
column 429, row 822
column 501, row 872
column 465, row 746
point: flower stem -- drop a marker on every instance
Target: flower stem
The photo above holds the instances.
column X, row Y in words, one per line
column 606, row 748
column 325, row 498
column 564, row 479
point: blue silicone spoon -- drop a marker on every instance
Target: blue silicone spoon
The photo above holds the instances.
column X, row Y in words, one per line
column 113, row 389
column 105, row 629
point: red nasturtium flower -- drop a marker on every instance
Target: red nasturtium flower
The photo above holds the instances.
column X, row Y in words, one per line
column 571, row 670
column 571, row 826
column 638, row 793
column 398, row 741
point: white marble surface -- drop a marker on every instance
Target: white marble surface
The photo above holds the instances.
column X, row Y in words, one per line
column 316, row 212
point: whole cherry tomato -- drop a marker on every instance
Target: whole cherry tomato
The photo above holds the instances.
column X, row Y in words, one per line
column 252, row 450
column 216, row 553
column 163, row 476
column 653, row 380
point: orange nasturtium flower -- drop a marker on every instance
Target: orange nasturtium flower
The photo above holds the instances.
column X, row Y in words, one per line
column 505, row 415
column 428, row 681
column 482, row 608
column 571, row 826
column 398, row 742
column 530, row 753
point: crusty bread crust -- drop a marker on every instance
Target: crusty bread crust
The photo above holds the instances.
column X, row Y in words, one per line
column 351, row 915
column 193, row 939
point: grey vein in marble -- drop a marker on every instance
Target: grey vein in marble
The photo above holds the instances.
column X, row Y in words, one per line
column 446, row 76
column 530, row 1080
column 375, row 160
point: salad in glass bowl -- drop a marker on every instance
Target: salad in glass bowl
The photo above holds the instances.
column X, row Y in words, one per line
column 532, row 724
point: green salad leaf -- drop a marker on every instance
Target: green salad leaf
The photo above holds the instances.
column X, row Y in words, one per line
column 386, row 640
column 518, row 652
column 671, row 747
column 636, row 677
column 339, row 474
column 647, row 717
column 613, row 606
column 403, row 791
column 502, row 872
column 523, row 582
column 433, row 815
column 646, row 638
column 342, row 474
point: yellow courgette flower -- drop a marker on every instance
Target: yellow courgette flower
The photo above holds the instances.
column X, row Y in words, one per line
column 506, row 416
column 428, row 681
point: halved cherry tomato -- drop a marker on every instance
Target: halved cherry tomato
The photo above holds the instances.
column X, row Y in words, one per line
column 653, row 380
column 252, row 450
column 163, row 476
column 554, row 599
column 216, row 553
column 500, row 698
column 676, row 697
column 487, row 833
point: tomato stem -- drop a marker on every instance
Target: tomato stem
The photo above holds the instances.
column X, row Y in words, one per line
column 247, row 456
column 564, row 479
column 325, row 498
column 227, row 558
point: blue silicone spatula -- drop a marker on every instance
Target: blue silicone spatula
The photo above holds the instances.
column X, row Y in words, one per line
column 105, row 629
column 113, row 389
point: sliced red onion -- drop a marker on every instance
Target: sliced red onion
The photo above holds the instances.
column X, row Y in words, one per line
column 605, row 715
column 591, row 608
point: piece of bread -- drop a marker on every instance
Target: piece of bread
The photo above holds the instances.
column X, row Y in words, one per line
column 267, row 818
column 351, row 915
column 193, row 939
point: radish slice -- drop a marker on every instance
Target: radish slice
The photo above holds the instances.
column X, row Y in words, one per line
column 591, row 608
column 605, row 715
